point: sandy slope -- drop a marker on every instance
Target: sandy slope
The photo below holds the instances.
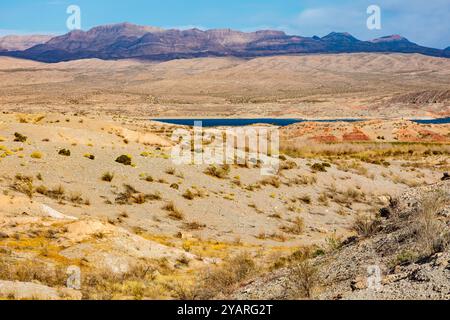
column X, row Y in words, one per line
column 99, row 225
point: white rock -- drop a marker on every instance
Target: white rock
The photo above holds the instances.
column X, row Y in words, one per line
column 56, row 214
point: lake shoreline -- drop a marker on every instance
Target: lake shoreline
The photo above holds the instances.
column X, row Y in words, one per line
column 238, row 122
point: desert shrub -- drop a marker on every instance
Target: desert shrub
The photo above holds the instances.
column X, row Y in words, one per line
column 42, row 190
column 173, row 212
column 323, row 199
column 297, row 227
column 108, row 177
column 223, row 278
column 288, row 165
column 333, row 242
column 36, row 155
column 404, row 258
column 305, row 199
column 170, row 171
column 57, row 193
column 218, row 172
column 185, row 291
column 30, row 271
column 192, row 193
column 175, row 186
column 366, row 226
column 192, row 226
column 353, row 195
column 89, row 156
column 320, row 167
column 132, row 196
column 154, row 196
column 105, row 285
column 64, row 152
column 303, row 278
column 147, row 177
column 23, row 184
column 124, row 159
column 272, row 181
column 19, row 137
column 189, row 194
column 431, row 230
column 275, row 236
column 304, row 180
column 76, row 197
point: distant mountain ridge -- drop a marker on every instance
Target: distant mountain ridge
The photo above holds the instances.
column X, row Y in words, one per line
column 22, row 42
column 129, row 41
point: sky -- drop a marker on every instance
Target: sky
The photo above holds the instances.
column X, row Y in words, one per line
column 426, row 22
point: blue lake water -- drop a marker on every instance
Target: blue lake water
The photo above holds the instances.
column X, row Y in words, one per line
column 277, row 122
column 434, row 121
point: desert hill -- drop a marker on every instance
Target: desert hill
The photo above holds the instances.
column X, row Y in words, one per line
column 22, row 42
column 408, row 243
column 315, row 86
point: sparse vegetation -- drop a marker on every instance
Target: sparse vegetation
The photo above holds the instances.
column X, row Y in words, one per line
column 125, row 160
column 36, row 155
column 305, row 199
column 218, row 172
column 170, row 171
column 192, row 193
column 320, row 167
column 433, row 235
column 89, row 156
column 193, row 226
column 64, row 152
column 366, row 226
column 296, row 227
column 23, row 184
column 271, row 181
column 219, row 279
column 173, row 212
column 132, row 196
column 303, row 278
column 20, row 137
column 107, row 176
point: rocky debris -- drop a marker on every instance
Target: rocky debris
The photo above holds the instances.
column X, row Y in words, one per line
column 32, row 291
column 348, row 273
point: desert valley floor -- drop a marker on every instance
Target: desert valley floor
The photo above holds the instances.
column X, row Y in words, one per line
column 145, row 228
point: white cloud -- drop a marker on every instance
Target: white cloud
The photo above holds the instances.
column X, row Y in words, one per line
column 424, row 22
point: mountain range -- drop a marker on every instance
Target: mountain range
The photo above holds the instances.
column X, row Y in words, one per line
column 129, row 41
column 22, row 42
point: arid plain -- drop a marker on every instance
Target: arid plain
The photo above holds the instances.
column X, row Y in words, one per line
column 87, row 179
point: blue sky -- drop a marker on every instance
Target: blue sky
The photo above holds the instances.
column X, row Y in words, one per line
column 421, row 21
